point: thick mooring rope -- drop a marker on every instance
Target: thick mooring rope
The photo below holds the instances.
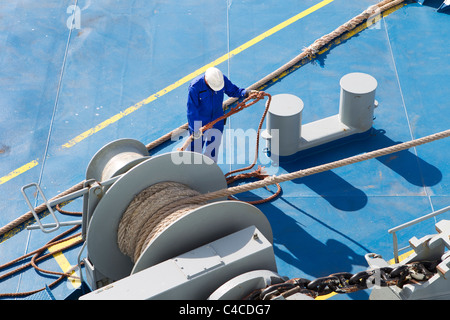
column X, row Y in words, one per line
column 42, row 207
column 310, row 171
column 37, row 257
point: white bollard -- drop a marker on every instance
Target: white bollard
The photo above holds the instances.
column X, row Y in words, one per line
column 357, row 100
column 284, row 115
column 286, row 135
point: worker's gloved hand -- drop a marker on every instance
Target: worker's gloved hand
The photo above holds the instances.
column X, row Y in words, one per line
column 197, row 135
column 249, row 92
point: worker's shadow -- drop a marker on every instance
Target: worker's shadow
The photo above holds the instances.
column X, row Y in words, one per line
column 343, row 195
column 296, row 247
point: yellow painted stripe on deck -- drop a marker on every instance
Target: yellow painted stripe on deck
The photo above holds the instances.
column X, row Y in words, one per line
column 18, row 171
column 194, row 74
column 63, row 262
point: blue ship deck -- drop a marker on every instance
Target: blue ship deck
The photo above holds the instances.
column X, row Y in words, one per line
column 124, row 70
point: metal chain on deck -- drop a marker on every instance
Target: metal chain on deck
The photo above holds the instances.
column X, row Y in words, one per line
column 345, row 282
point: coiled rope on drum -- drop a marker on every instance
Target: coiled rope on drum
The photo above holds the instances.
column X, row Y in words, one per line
column 147, row 216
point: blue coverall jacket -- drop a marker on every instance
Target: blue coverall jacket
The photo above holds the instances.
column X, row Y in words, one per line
column 205, row 104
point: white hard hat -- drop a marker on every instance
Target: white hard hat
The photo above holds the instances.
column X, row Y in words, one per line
column 214, row 78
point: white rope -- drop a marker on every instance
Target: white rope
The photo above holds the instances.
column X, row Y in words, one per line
column 317, row 169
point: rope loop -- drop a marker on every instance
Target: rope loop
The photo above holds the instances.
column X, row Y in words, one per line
column 261, row 175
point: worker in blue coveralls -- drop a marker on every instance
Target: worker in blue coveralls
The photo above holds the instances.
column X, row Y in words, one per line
column 204, row 105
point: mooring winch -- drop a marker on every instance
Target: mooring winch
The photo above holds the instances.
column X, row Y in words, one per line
column 149, row 251
column 191, row 253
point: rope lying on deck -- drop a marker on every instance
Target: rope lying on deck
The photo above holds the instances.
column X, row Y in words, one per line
column 42, row 207
column 199, row 198
column 37, row 257
column 159, row 205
